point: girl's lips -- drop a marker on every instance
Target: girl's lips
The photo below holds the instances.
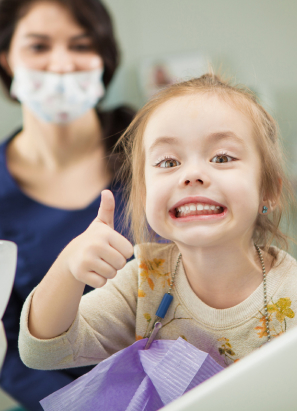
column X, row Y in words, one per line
column 197, row 208
column 195, row 199
column 201, row 217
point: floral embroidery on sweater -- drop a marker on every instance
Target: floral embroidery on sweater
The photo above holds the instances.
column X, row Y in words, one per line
column 227, row 351
column 175, row 317
column 152, row 270
column 279, row 311
column 149, row 326
column 148, row 318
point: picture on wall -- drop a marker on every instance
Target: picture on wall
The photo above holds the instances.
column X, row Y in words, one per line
column 158, row 72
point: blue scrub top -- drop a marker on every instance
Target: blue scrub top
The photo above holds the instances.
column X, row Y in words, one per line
column 40, row 232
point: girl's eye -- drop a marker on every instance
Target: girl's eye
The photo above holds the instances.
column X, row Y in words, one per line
column 169, row 163
column 221, row 158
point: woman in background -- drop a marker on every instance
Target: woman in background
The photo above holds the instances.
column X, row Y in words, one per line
column 57, row 57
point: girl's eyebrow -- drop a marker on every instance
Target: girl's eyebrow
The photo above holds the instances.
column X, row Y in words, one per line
column 163, row 140
column 225, row 135
column 215, row 137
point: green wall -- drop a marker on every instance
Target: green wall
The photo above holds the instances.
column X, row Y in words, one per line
column 253, row 41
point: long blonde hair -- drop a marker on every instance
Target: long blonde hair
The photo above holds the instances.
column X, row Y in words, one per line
column 274, row 182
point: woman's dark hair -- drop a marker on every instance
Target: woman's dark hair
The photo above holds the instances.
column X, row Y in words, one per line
column 90, row 14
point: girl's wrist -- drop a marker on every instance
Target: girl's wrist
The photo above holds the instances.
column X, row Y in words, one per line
column 64, row 275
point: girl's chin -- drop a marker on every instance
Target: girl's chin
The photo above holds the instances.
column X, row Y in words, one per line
column 203, row 241
column 196, row 239
column 196, row 230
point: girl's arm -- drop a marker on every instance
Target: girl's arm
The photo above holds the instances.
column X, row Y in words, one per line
column 91, row 258
column 105, row 324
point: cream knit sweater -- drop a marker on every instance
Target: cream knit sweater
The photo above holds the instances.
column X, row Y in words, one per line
column 113, row 317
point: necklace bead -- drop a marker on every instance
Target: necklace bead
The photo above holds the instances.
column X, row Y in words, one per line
column 265, row 292
column 264, row 287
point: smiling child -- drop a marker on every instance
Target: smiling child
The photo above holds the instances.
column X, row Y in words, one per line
column 206, row 174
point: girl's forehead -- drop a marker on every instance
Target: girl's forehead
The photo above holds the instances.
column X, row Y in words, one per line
column 197, row 114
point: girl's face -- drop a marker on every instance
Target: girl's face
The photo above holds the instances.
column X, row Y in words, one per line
column 48, row 38
column 202, row 172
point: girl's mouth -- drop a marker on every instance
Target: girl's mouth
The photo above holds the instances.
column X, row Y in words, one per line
column 193, row 209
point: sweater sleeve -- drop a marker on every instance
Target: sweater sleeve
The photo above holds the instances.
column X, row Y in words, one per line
column 105, row 324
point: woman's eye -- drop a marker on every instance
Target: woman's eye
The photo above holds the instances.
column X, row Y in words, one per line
column 39, row 47
column 82, row 47
column 169, row 163
column 222, row 158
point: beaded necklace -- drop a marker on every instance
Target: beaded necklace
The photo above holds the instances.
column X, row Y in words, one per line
column 168, row 297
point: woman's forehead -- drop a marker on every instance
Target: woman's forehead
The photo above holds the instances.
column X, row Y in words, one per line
column 48, row 17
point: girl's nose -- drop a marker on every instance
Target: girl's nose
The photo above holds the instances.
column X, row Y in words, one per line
column 191, row 182
column 195, row 176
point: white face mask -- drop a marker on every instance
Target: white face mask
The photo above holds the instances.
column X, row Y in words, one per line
column 57, row 98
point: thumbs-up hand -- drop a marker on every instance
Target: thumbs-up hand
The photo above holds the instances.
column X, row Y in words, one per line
column 97, row 254
column 106, row 209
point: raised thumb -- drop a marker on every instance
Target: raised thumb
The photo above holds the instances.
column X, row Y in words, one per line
column 106, row 209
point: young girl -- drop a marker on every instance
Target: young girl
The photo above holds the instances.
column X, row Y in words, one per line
column 206, row 174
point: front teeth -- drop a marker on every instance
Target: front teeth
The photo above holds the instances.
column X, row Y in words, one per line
column 197, row 207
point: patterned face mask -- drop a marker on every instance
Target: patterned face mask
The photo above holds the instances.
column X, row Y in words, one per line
column 57, row 98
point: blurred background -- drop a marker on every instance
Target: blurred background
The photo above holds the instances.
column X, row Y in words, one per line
column 251, row 41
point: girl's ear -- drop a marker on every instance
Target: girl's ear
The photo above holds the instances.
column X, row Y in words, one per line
column 269, row 204
column 4, row 63
column 263, row 208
